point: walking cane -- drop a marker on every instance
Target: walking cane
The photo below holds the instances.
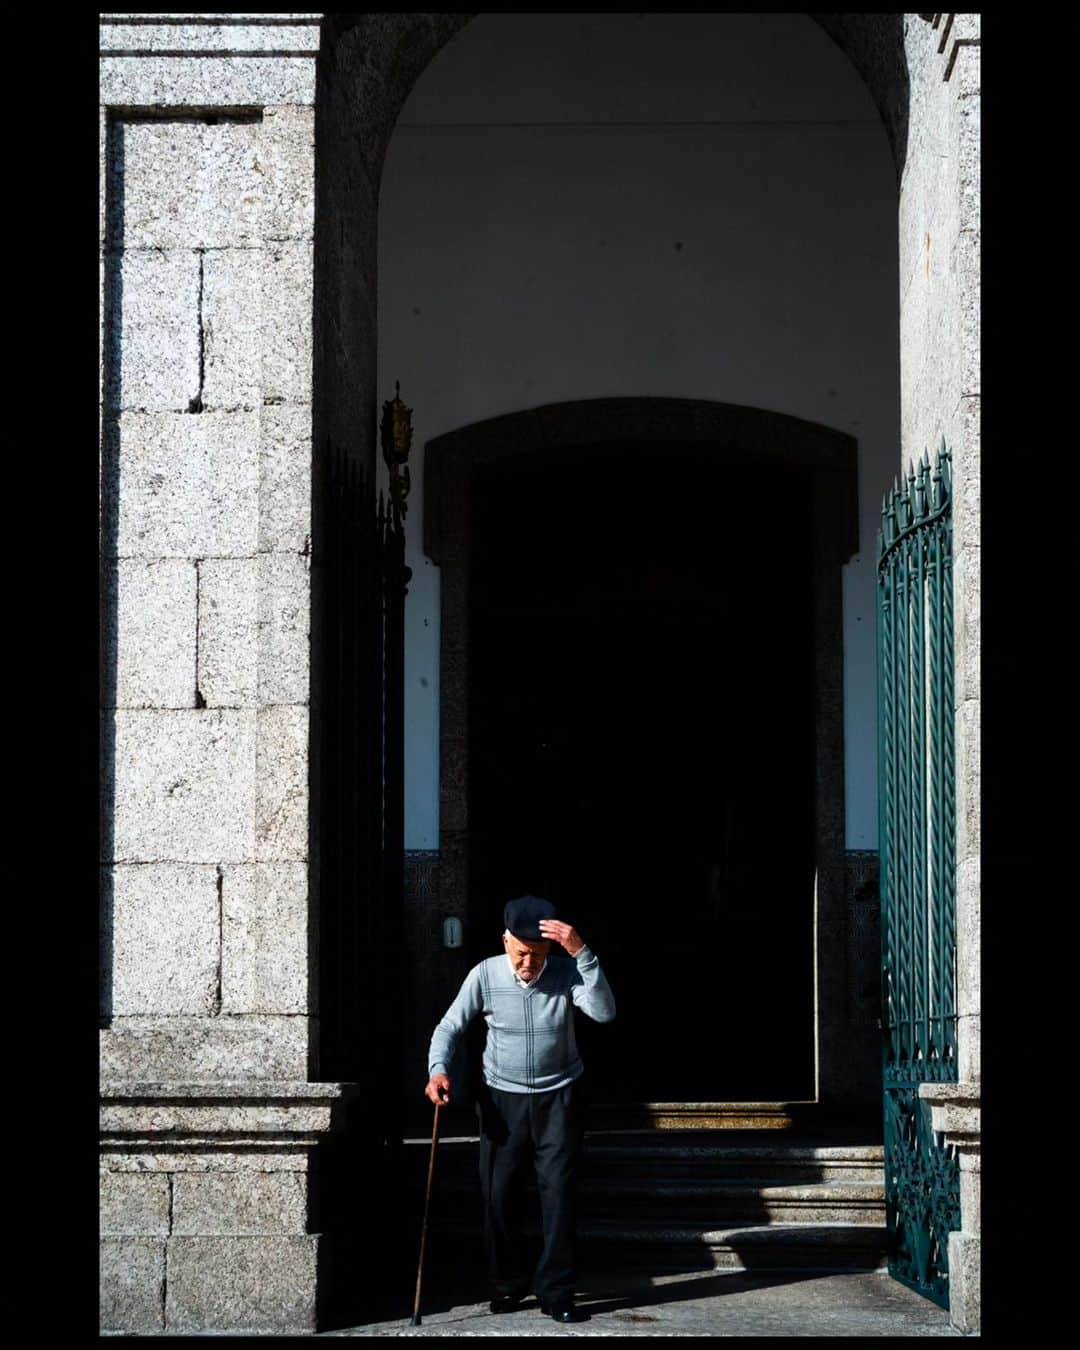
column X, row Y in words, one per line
column 416, row 1319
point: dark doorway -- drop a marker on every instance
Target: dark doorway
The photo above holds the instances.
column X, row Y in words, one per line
column 641, row 750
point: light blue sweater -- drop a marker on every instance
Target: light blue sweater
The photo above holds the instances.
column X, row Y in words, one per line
column 531, row 1045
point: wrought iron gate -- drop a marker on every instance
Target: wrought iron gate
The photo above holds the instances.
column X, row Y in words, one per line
column 917, row 812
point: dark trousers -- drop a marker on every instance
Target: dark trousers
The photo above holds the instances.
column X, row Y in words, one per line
column 544, row 1128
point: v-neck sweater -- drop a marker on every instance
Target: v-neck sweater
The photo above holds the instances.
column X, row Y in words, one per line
column 531, row 1046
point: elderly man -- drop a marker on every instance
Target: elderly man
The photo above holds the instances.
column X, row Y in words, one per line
column 530, row 1103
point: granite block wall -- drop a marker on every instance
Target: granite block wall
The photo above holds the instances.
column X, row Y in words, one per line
column 939, row 374
column 207, row 232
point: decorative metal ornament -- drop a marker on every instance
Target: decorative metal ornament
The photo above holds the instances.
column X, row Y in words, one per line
column 917, row 808
column 396, row 443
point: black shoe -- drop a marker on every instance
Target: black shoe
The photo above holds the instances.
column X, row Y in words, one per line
column 504, row 1303
column 561, row 1310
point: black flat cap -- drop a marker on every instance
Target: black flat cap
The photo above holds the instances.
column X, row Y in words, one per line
column 522, row 917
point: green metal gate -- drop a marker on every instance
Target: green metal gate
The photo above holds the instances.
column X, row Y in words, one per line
column 917, row 813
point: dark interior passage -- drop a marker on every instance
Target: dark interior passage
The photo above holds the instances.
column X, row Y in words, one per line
column 641, row 751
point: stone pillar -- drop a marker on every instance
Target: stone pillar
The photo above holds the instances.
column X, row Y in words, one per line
column 940, row 384
column 207, row 228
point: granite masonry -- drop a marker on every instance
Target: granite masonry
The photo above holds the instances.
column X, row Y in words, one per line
column 240, row 162
column 210, row 1117
column 939, row 380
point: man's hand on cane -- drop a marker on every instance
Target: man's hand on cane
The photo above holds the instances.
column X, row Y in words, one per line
column 438, row 1089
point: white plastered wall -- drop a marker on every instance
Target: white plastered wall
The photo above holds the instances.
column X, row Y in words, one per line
column 697, row 206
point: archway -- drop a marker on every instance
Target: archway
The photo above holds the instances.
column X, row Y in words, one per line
column 386, row 55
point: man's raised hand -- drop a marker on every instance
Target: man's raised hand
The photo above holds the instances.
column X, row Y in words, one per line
column 562, row 933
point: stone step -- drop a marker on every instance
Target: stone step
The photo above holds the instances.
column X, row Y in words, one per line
column 685, row 1144
column 786, row 1164
column 721, row 1188
column 778, row 1118
column 644, row 1160
column 790, row 1246
column 721, row 1145
column 657, row 1244
column 773, row 1116
column 759, row 1172
column 681, row 1200
column 754, row 1203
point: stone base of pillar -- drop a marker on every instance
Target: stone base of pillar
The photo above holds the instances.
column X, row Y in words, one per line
column 964, row 1293
column 955, row 1113
column 207, row 1202
column 249, row 1283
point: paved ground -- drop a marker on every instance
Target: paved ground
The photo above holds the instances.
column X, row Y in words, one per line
column 701, row 1303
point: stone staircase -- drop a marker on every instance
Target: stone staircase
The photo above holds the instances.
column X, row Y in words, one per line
column 671, row 1199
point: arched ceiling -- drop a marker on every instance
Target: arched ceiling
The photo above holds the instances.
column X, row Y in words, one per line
column 385, row 54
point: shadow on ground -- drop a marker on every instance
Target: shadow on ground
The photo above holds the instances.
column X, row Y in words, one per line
column 455, row 1277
